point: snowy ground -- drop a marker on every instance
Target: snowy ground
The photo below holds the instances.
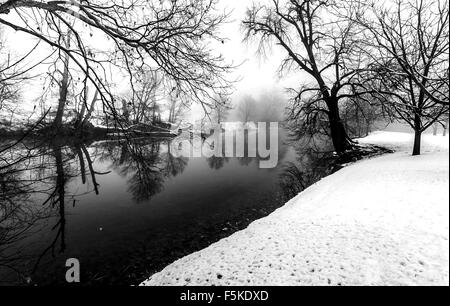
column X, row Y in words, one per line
column 383, row 221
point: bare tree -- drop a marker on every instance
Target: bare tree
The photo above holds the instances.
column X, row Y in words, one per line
column 271, row 106
column 143, row 104
column 85, row 113
column 220, row 109
column 171, row 37
column 409, row 46
column 320, row 43
column 246, row 109
column 176, row 105
column 362, row 114
column 9, row 96
column 63, row 85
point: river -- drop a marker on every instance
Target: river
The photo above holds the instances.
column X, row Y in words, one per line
column 127, row 208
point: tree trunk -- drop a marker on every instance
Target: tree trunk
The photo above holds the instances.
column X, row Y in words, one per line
column 81, row 116
column 91, row 109
column 339, row 136
column 79, row 122
column 358, row 124
column 417, row 143
column 125, row 111
column 418, row 135
column 63, row 91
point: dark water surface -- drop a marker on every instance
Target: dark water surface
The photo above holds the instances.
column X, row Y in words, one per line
column 126, row 209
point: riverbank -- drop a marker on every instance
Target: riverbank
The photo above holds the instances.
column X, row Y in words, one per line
column 383, row 221
column 88, row 133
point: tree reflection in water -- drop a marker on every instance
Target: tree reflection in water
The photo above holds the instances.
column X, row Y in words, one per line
column 146, row 164
column 314, row 160
column 33, row 181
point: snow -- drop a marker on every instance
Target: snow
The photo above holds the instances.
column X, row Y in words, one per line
column 403, row 142
column 383, row 221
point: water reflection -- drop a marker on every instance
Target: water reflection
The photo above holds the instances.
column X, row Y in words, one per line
column 35, row 190
column 314, row 160
column 85, row 200
column 145, row 164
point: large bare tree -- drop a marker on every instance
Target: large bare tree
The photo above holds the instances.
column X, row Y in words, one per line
column 172, row 37
column 322, row 44
column 408, row 44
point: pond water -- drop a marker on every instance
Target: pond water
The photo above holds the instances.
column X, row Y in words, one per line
column 126, row 209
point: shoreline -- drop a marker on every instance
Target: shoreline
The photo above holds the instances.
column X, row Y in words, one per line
column 366, row 151
column 273, row 251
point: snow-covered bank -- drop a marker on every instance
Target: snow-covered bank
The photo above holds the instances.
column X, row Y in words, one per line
column 383, row 221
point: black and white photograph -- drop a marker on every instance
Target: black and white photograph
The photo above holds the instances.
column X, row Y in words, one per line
column 246, row 144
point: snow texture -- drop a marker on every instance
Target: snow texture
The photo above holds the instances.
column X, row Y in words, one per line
column 383, row 221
